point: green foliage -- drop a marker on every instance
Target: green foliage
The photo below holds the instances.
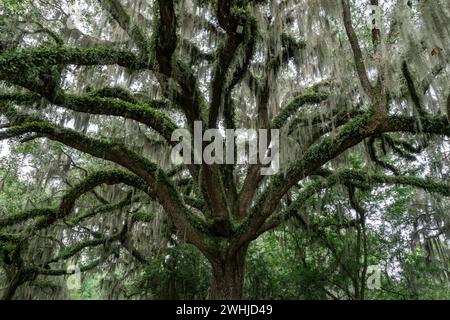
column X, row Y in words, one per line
column 178, row 273
column 108, row 96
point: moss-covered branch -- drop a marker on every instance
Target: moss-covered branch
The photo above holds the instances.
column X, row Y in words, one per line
column 17, row 61
column 309, row 97
column 25, row 215
column 157, row 181
column 352, row 133
column 112, row 105
column 50, row 215
column 62, row 272
column 238, row 27
column 68, row 252
column 352, row 177
column 128, row 96
column 374, row 157
column 188, row 97
column 105, row 208
column 272, row 68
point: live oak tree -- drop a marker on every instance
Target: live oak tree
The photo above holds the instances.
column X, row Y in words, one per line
column 331, row 76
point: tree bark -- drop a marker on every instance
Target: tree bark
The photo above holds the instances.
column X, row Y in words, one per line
column 16, row 281
column 228, row 277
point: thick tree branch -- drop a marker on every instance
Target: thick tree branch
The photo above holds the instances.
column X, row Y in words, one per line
column 62, row 272
column 351, row 134
column 345, row 177
column 68, row 201
column 139, row 112
column 253, row 177
column 309, row 97
column 21, row 60
column 357, row 53
column 155, row 178
column 412, row 89
column 374, row 157
column 165, row 36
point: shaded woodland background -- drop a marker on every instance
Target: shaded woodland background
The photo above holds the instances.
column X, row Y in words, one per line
column 90, row 92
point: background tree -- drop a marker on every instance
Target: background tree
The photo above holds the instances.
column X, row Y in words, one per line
column 360, row 95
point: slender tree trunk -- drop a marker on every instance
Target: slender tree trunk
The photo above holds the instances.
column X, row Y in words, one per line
column 228, row 277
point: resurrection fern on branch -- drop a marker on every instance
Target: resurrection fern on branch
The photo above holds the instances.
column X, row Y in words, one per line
column 111, row 89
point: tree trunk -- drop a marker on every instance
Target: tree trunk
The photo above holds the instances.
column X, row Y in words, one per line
column 228, row 277
column 16, row 281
